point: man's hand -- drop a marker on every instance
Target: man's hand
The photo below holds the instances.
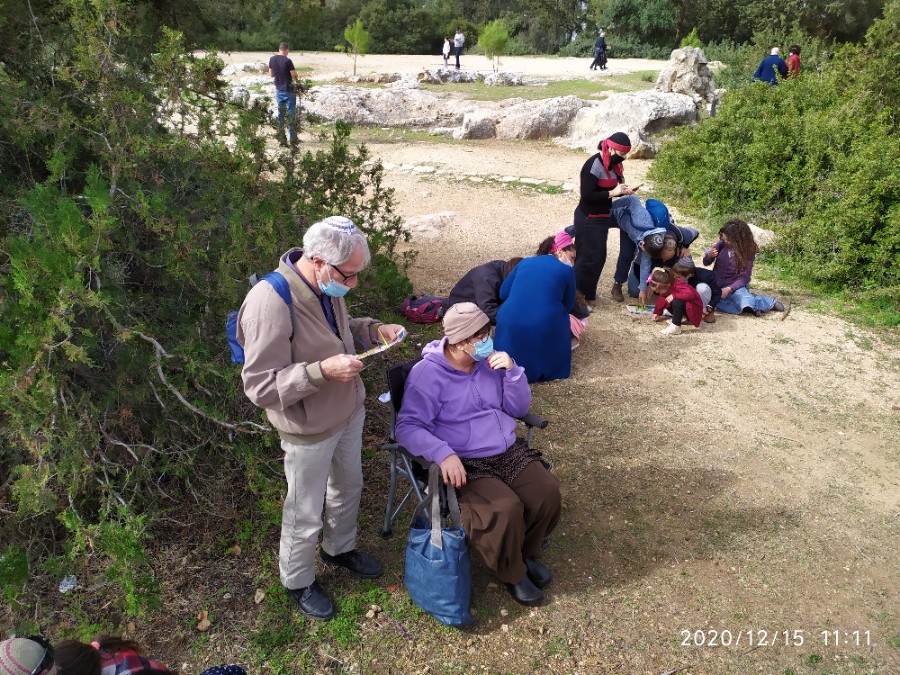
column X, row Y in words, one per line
column 341, row 368
column 390, row 331
column 500, row 361
column 453, row 472
column 642, row 296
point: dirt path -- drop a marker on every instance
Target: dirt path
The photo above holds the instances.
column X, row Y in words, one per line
column 742, row 477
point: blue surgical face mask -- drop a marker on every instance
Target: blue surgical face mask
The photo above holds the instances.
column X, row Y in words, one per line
column 483, row 349
column 334, row 289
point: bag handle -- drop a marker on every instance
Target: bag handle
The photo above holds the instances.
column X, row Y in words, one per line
column 433, row 505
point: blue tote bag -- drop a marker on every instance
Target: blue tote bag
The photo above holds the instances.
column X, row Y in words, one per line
column 438, row 571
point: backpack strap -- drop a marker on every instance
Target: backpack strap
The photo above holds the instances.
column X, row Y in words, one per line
column 277, row 281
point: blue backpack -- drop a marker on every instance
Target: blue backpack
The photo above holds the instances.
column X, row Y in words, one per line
column 658, row 212
column 280, row 284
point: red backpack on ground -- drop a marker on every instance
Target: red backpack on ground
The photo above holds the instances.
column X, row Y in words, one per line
column 423, row 308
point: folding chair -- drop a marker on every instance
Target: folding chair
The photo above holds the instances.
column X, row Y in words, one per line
column 406, row 465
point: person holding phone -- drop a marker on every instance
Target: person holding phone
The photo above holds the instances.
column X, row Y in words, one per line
column 601, row 179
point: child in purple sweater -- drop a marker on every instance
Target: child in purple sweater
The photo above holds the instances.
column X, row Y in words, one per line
column 734, row 254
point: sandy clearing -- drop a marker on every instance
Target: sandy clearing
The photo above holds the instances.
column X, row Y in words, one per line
column 328, row 65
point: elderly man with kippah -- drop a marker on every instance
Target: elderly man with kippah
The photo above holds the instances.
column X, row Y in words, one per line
column 303, row 369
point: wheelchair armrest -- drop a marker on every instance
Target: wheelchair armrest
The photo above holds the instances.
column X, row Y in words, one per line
column 532, row 420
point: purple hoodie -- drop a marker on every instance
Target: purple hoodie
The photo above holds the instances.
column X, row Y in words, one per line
column 725, row 268
column 446, row 410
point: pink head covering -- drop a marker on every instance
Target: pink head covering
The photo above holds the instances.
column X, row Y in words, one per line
column 560, row 241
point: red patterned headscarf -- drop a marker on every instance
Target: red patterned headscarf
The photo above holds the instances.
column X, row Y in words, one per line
column 618, row 141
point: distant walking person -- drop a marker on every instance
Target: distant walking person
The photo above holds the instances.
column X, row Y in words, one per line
column 458, row 41
column 793, row 61
column 446, row 52
column 771, row 67
column 600, row 52
column 282, row 69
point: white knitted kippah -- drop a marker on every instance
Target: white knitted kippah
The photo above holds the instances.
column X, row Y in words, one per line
column 340, row 223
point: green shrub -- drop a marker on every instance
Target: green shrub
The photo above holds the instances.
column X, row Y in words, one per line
column 692, row 39
column 136, row 201
column 817, row 159
column 493, row 40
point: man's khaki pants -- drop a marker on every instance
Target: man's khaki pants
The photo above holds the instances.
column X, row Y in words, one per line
column 328, row 471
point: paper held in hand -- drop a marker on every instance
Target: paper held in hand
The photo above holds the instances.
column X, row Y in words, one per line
column 384, row 344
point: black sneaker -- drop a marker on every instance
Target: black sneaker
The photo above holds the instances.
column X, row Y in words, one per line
column 312, row 602
column 361, row 564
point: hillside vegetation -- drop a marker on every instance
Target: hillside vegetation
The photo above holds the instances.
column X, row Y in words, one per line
column 817, row 159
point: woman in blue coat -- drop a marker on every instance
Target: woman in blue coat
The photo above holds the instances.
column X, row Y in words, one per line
column 533, row 321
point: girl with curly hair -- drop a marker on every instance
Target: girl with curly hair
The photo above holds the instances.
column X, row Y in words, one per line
column 734, row 254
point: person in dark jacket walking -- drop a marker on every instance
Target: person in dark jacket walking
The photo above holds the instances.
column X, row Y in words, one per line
column 600, row 52
column 771, row 67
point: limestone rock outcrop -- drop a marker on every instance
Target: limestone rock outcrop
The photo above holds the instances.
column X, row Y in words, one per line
column 640, row 114
column 688, row 73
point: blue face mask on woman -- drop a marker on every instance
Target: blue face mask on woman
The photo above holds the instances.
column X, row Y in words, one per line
column 483, row 349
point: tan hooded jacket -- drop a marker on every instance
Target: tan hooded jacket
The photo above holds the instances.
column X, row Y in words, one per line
column 283, row 375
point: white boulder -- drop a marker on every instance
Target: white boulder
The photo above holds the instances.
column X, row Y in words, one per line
column 445, row 75
column 477, row 124
column 238, row 68
column 547, row 118
column 640, row 114
column 688, row 72
column 383, row 108
column 503, row 80
column 762, row 236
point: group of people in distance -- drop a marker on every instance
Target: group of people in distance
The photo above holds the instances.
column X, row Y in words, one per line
column 454, row 45
column 509, row 323
column 533, row 301
column 773, row 67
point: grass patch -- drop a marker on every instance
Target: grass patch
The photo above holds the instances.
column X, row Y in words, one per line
column 392, row 135
column 588, row 89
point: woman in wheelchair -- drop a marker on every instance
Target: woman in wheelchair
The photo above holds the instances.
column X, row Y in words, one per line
column 459, row 410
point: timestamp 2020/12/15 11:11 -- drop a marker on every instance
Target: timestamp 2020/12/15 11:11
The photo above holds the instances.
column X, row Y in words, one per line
column 764, row 638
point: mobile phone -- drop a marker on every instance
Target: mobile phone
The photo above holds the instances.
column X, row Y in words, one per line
column 638, row 187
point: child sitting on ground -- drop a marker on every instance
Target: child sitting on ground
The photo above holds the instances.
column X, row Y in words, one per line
column 676, row 295
column 734, row 254
column 703, row 281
